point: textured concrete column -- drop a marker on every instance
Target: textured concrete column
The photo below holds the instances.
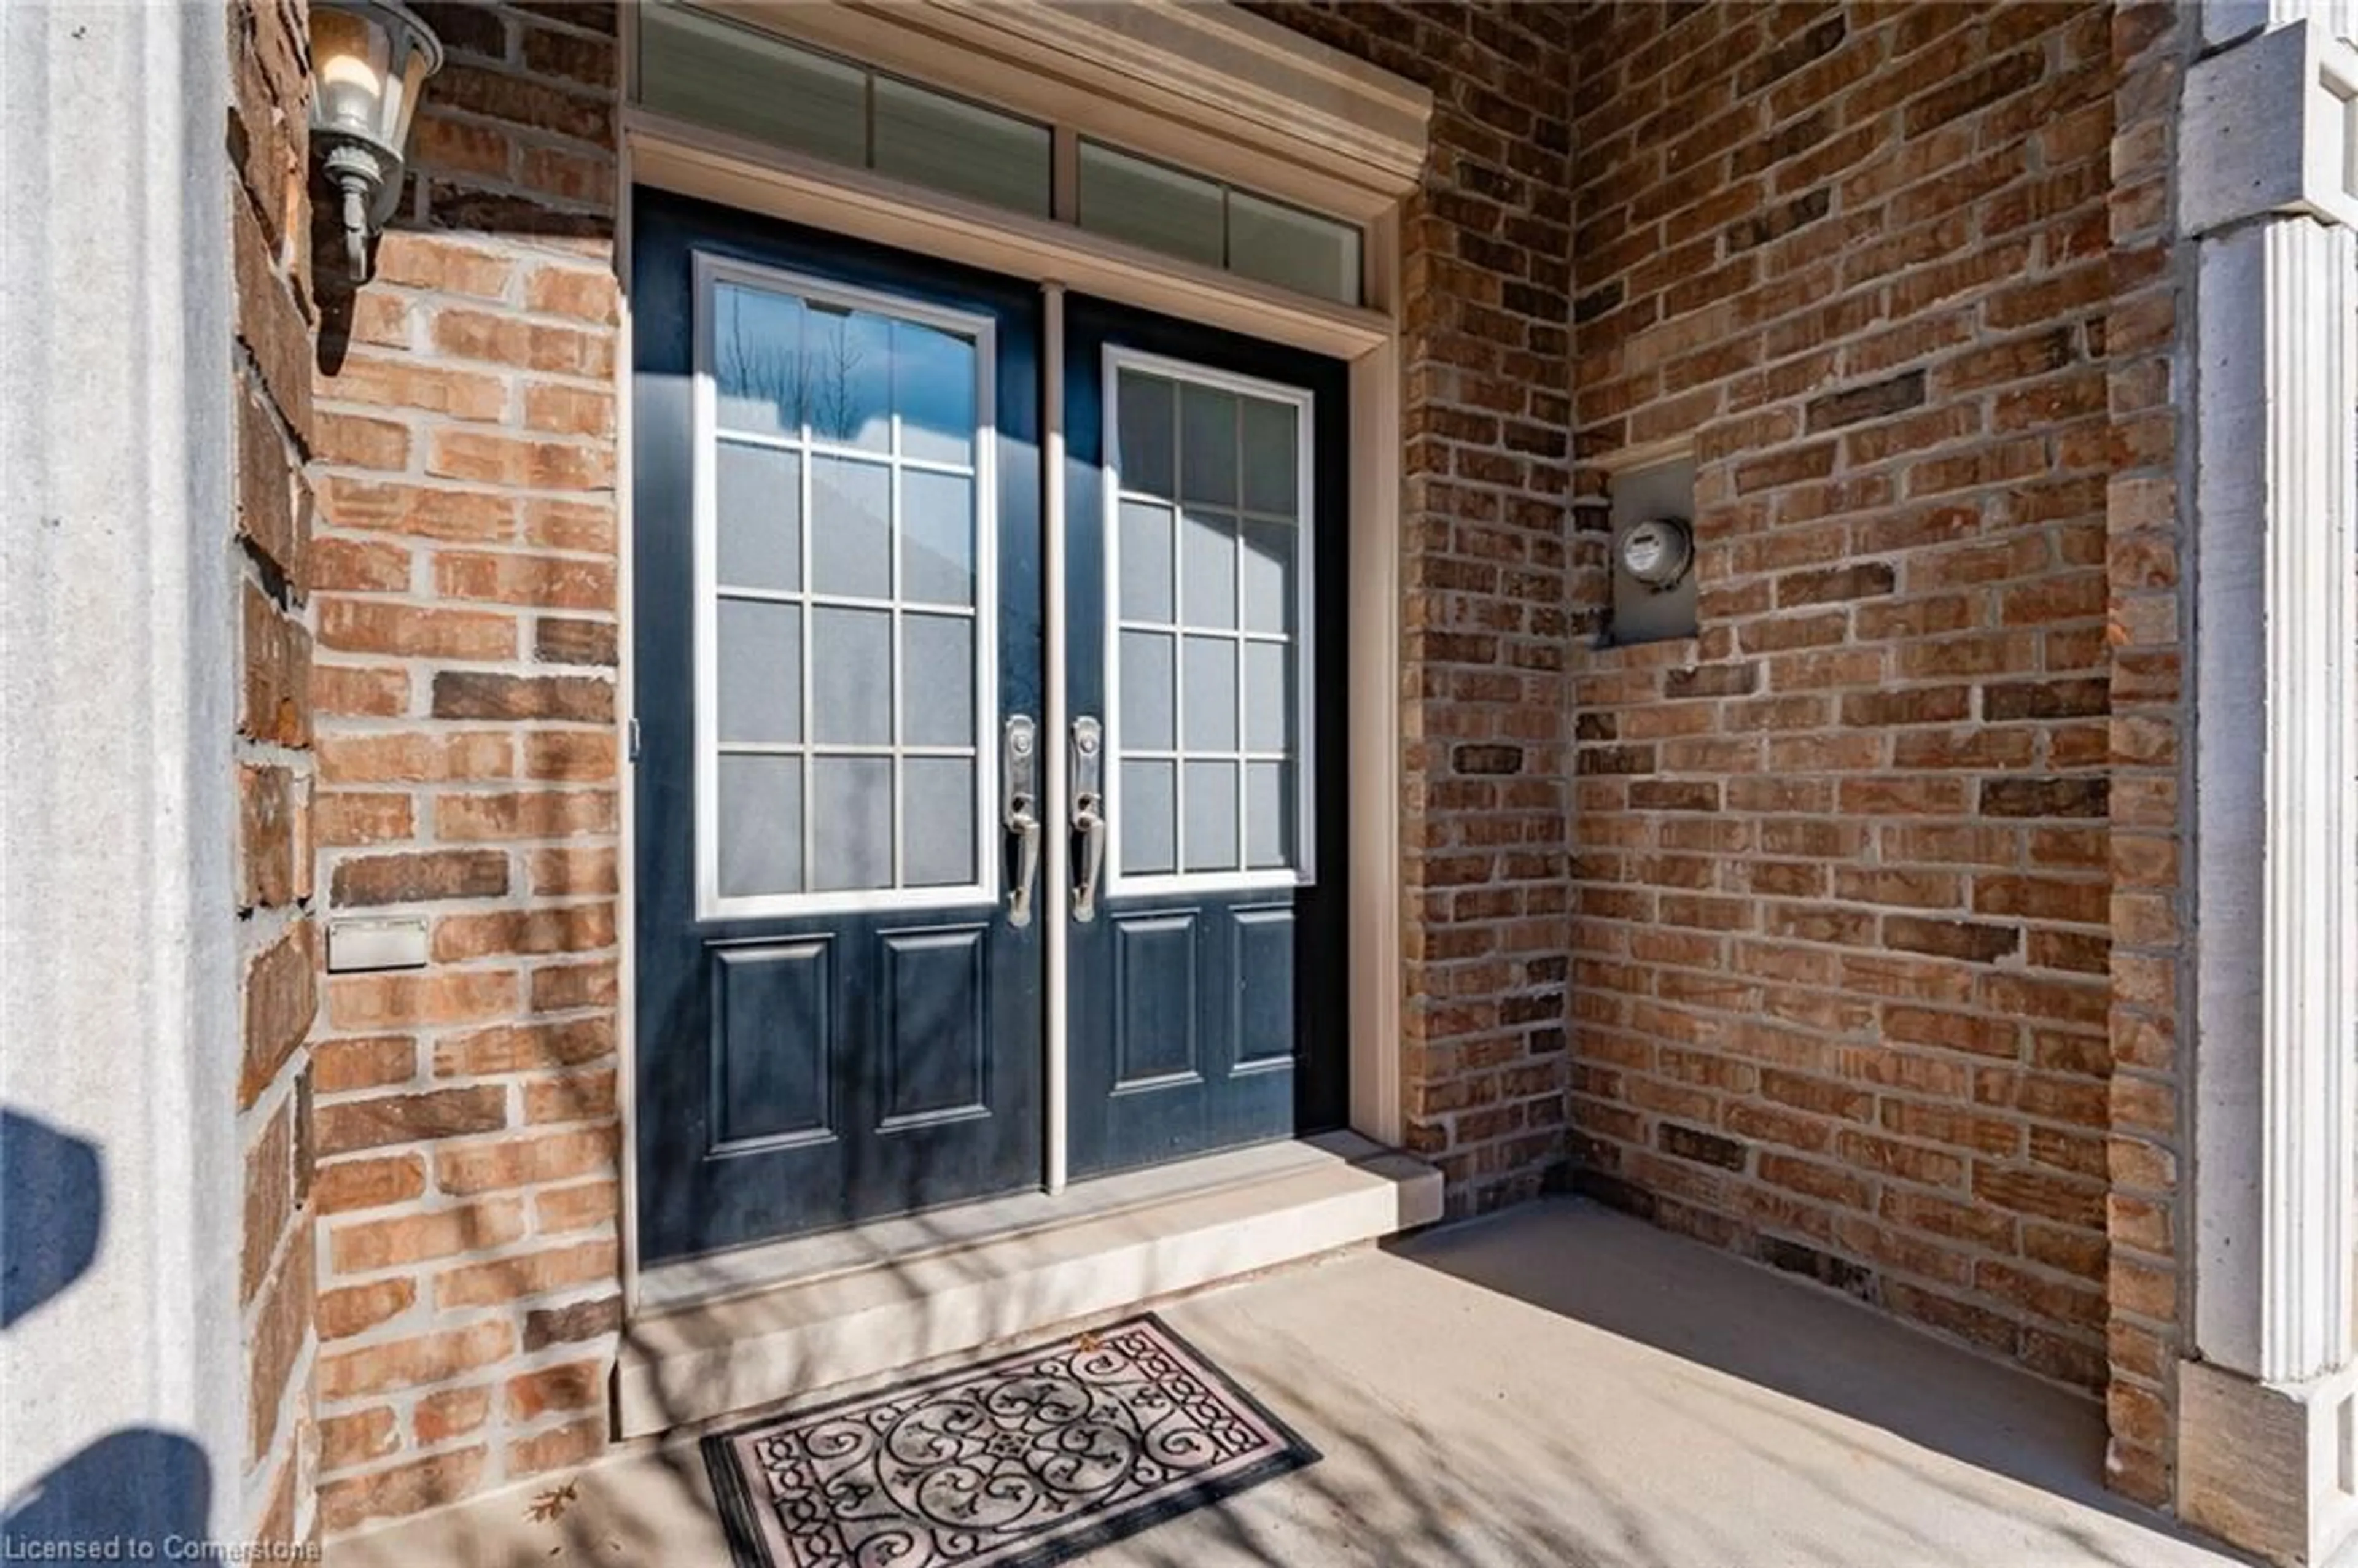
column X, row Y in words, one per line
column 2264, row 1410
column 121, row 1397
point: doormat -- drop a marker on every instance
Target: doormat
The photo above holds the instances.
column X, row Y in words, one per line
column 1026, row 1459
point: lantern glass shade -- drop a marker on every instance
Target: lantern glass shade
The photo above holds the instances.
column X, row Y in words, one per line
column 369, row 61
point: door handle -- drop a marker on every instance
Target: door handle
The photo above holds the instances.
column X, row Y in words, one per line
column 1020, row 768
column 1089, row 814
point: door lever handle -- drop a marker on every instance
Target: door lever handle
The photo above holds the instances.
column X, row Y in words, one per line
column 1021, row 816
column 1088, row 814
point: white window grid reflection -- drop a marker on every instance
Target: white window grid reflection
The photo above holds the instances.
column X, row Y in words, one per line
column 813, row 438
column 1297, row 865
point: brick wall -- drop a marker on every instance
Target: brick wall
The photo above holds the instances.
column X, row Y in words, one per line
column 1486, row 289
column 270, row 218
column 1842, row 885
column 2151, row 721
column 466, row 597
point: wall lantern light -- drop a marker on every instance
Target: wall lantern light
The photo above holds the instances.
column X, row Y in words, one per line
column 369, row 61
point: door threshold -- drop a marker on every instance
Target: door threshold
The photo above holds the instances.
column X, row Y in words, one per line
column 743, row 1329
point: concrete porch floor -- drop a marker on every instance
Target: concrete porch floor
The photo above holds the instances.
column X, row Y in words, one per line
column 1556, row 1385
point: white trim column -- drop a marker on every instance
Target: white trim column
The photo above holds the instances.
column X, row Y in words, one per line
column 2266, row 190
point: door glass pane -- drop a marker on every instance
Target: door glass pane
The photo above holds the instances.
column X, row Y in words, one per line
column 1267, row 564
column 1148, row 434
column 961, row 147
column 760, row 825
column 851, row 823
column 1272, row 477
column 1147, row 701
column 938, row 816
column 1208, row 695
column 1149, row 205
column 847, row 377
column 757, row 336
column 851, row 676
column 758, row 516
column 937, row 693
column 1268, row 815
column 759, row 666
column 932, row 389
column 1149, row 805
column 1269, row 697
column 1207, row 445
column 852, row 540
column 1145, row 551
column 1207, row 568
column 937, row 538
column 1211, row 836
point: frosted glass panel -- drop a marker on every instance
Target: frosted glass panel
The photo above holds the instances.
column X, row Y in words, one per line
column 961, row 147
column 1207, row 445
column 1207, row 565
column 847, row 371
column 938, row 816
column 1272, row 477
column 851, row 511
column 1145, row 550
column 1148, row 431
column 760, row 840
column 1268, row 815
column 757, row 338
column 937, row 680
column 1150, row 824
column 758, row 516
column 848, row 558
column 851, row 676
column 1269, row 697
column 1211, row 833
column 851, row 823
column 1292, row 249
column 1148, row 704
column 760, row 671
column 1269, row 591
column 1149, row 205
column 700, row 67
column 1208, row 695
column 937, row 538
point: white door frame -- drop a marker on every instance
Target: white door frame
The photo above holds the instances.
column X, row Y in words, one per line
column 665, row 153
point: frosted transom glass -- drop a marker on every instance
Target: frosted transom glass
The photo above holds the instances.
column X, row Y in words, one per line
column 748, row 81
column 849, row 552
column 1208, row 631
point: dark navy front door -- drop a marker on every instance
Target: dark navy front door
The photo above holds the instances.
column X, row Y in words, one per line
column 1204, row 613
column 837, row 599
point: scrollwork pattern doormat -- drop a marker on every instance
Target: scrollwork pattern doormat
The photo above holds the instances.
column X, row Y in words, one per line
column 1027, row 1459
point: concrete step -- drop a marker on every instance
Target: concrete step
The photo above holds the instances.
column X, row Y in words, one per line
column 927, row 1286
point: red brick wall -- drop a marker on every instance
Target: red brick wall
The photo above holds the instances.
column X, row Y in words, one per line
column 1486, row 286
column 1843, row 894
column 466, row 571
column 2151, row 717
column 270, row 219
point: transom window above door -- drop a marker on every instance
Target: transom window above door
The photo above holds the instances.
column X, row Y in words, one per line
column 730, row 75
column 1208, row 574
column 844, row 540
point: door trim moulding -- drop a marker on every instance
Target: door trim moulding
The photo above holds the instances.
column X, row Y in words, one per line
column 672, row 155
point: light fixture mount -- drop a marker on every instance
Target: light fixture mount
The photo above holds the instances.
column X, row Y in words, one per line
column 370, row 60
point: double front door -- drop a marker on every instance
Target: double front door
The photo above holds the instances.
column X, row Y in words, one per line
column 844, row 723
